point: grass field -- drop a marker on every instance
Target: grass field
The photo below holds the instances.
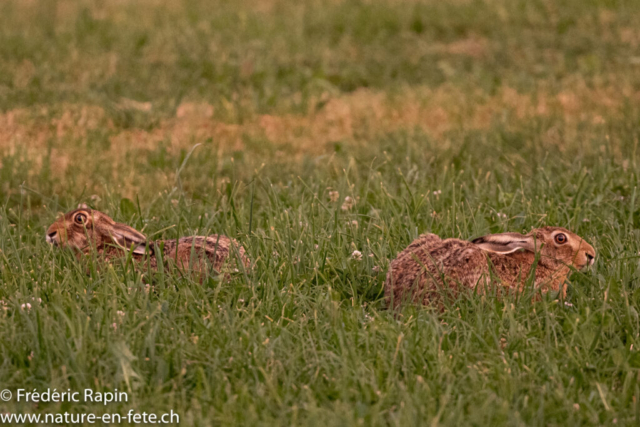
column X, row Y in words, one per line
column 258, row 119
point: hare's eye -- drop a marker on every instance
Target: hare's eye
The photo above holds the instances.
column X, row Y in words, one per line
column 80, row 219
column 561, row 238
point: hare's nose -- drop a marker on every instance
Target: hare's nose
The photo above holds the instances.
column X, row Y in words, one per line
column 590, row 259
column 51, row 237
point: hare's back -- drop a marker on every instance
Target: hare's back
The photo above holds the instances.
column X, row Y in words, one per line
column 429, row 249
column 453, row 253
column 421, row 243
column 451, row 257
column 217, row 247
column 223, row 247
column 427, row 240
column 421, row 269
column 212, row 244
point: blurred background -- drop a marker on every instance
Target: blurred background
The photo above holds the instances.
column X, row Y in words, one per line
column 97, row 93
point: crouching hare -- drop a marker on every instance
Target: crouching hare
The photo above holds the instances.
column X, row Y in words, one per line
column 430, row 265
column 86, row 230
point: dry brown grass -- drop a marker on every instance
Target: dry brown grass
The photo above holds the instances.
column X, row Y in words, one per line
column 354, row 118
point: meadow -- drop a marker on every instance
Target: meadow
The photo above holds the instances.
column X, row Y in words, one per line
column 324, row 136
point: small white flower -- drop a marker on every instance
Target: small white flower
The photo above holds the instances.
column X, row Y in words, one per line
column 357, row 255
column 333, row 196
column 27, row 306
column 120, row 313
column 348, row 203
column 586, row 220
column 114, row 326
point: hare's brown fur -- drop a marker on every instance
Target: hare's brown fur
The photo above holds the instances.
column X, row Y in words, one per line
column 430, row 265
column 87, row 230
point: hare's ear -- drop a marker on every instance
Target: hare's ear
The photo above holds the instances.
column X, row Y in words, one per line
column 506, row 243
column 126, row 237
column 83, row 206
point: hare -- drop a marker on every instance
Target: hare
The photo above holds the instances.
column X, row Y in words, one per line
column 85, row 229
column 430, row 265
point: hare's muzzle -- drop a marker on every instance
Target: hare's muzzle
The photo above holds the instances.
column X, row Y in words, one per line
column 52, row 238
column 589, row 255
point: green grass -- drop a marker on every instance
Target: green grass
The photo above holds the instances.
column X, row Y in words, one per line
column 527, row 115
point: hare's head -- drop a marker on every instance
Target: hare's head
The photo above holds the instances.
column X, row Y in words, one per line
column 556, row 245
column 84, row 228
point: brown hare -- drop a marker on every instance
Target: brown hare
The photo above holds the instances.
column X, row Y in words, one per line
column 85, row 230
column 430, row 265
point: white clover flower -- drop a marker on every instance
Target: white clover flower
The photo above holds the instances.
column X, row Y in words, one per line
column 357, row 255
column 348, row 203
